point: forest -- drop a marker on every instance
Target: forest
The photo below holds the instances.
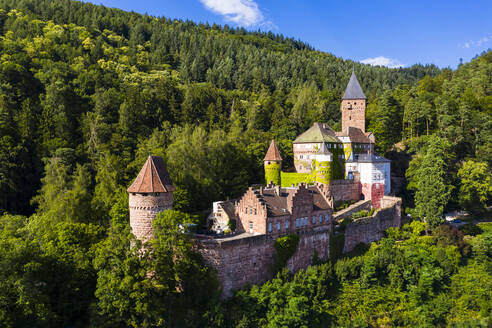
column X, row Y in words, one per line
column 88, row 92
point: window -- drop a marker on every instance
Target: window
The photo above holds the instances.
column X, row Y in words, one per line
column 269, row 227
column 255, row 211
column 297, row 222
column 287, row 224
column 329, row 145
column 314, row 219
column 250, row 226
column 250, row 210
column 278, row 225
column 327, row 218
column 320, row 218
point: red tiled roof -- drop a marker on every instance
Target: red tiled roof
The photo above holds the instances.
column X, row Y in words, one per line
column 277, row 203
column 153, row 177
column 355, row 135
column 273, row 154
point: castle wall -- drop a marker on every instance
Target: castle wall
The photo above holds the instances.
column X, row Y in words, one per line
column 241, row 261
column 344, row 190
column 354, row 208
column 246, row 259
column 144, row 207
column 367, row 230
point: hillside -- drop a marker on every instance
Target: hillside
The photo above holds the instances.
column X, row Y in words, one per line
column 88, row 92
column 96, row 83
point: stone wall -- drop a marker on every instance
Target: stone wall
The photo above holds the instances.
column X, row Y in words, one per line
column 246, row 260
column 143, row 209
column 343, row 190
column 367, row 230
column 354, row 208
column 353, row 114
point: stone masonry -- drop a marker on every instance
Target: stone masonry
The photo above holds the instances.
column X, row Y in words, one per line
column 246, row 260
column 367, row 230
column 143, row 210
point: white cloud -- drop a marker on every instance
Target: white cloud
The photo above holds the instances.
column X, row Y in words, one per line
column 382, row 61
column 241, row 12
column 476, row 43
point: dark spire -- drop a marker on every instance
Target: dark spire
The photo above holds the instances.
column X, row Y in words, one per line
column 354, row 91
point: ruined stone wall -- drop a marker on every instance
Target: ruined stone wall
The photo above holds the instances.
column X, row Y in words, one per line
column 242, row 261
column 367, row 230
column 144, row 207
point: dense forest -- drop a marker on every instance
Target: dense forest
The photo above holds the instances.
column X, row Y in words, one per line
column 88, row 92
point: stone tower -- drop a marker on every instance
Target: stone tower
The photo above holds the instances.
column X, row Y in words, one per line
column 353, row 106
column 273, row 164
column 150, row 193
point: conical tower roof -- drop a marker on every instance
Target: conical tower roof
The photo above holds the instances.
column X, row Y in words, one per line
column 273, row 154
column 153, row 177
column 323, row 150
column 354, row 90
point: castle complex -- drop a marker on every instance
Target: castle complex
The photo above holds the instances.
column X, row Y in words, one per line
column 330, row 168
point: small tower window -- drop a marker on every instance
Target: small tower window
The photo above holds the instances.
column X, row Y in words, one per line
column 350, row 118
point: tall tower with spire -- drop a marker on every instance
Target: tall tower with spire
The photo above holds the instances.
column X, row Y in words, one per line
column 353, row 106
column 273, row 165
column 150, row 193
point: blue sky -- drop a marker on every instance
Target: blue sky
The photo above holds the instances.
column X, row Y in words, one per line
column 391, row 33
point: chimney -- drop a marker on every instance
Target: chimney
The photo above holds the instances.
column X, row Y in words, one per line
column 261, row 190
column 277, row 190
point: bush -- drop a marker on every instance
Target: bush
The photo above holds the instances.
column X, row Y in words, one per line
column 470, row 229
column 285, row 247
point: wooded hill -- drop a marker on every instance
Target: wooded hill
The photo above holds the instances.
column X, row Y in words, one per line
column 101, row 88
column 87, row 92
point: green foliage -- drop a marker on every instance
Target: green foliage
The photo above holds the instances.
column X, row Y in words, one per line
column 285, row 247
column 428, row 177
column 272, row 173
column 363, row 214
column 337, row 243
column 292, row 178
column 417, row 281
column 470, row 229
column 476, row 185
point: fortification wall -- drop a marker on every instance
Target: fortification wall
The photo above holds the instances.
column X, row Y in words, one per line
column 345, row 190
column 367, row 230
column 246, row 260
column 354, row 208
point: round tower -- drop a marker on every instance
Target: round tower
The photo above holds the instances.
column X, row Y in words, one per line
column 273, row 165
column 323, row 165
column 150, row 193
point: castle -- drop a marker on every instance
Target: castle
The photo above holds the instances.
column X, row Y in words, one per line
column 330, row 167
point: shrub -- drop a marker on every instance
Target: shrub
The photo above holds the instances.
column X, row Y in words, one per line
column 285, row 247
column 470, row 229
